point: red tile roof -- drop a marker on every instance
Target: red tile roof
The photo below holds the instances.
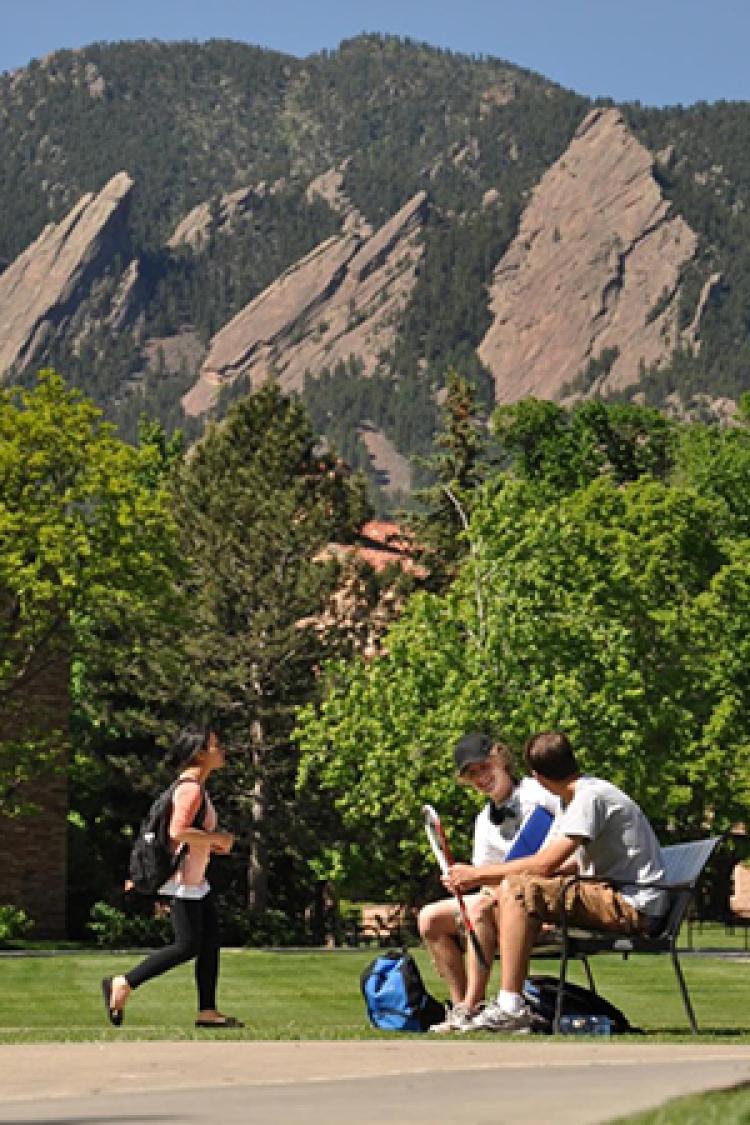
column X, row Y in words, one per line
column 382, row 543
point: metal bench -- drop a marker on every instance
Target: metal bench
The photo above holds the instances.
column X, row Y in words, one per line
column 381, row 923
column 683, row 866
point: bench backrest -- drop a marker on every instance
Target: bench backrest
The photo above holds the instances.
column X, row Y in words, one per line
column 382, row 919
column 683, row 865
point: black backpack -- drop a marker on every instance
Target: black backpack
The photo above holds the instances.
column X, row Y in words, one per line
column 152, row 861
column 540, row 993
column 395, row 995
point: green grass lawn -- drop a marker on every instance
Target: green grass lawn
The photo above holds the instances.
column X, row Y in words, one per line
column 722, row 1107
column 315, row 995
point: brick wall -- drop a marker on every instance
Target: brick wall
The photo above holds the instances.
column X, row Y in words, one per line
column 33, row 848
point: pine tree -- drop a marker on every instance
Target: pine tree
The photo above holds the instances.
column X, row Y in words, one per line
column 257, row 503
column 458, row 467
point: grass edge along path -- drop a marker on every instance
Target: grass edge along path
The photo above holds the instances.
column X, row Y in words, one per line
column 717, row 1107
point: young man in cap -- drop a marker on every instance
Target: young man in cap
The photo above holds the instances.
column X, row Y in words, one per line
column 601, row 834
column 488, row 767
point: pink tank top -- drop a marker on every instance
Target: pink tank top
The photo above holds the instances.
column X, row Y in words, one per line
column 186, row 804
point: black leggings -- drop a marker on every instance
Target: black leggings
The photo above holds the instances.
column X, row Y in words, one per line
column 196, row 934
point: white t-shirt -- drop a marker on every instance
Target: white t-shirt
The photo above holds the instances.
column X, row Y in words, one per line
column 618, row 841
column 492, row 841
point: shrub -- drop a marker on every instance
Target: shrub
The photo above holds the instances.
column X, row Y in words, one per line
column 113, row 928
column 14, row 924
column 272, row 927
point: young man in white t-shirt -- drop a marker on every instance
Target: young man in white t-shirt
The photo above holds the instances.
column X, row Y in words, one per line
column 601, row 834
column 487, row 766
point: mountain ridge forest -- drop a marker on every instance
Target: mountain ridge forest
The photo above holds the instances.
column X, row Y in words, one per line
column 191, row 122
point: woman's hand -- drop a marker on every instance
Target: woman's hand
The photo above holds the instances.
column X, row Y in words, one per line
column 461, row 877
column 222, row 842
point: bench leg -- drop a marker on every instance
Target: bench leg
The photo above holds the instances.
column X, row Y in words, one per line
column 589, row 974
column 560, row 987
column 683, row 990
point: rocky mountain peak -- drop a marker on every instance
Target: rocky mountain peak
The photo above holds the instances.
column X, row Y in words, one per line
column 207, row 218
column 44, row 288
column 341, row 300
column 586, row 293
column 329, row 187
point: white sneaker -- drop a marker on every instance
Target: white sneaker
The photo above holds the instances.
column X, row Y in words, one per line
column 457, row 1018
column 494, row 1018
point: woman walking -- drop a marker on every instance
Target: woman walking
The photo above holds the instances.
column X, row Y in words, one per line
column 192, row 907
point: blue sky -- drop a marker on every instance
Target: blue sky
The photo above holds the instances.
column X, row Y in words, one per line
column 660, row 52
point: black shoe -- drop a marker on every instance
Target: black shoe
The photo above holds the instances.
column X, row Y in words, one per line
column 114, row 1015
column 225, row 1021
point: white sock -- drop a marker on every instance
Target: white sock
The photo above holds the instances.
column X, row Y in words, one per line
column 511, row 1002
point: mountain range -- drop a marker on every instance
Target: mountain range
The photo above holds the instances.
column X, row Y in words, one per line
column 180, row 222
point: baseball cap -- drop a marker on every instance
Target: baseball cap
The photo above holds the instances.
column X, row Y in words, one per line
column 474, row 747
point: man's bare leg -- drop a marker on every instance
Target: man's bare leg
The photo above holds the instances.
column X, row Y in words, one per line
column 518, row 932
column 439, row 931
column 481, row 909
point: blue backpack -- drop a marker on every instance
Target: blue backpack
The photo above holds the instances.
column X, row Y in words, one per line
column 395, row 995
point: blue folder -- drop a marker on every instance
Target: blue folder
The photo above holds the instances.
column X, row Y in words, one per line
column 532, row 834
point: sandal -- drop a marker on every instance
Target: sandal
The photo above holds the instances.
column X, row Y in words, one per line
column 227, row 1021
column 114, row 1015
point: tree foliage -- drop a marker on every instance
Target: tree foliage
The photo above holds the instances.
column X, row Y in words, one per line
column 256, row 504
column 456, row 469
column 612, row 608
column 565, row 449
column 84, row 538
column 235, row 640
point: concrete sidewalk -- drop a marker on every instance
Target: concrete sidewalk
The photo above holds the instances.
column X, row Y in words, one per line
column 332, row 1082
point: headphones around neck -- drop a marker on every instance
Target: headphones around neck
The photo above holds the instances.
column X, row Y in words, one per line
column 499, row 813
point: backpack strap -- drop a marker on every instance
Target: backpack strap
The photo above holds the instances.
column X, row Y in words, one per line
column 198, row 819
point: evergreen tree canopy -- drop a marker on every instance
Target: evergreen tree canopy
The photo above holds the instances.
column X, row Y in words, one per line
column 256, row 504
column 457, row 468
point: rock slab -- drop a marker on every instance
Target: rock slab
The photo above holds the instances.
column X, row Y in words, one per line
column 341, row 300
column 595, row 267
column 43, row 288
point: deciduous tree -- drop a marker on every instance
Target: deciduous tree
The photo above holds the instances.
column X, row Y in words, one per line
column 84, row 541
column 615, row 610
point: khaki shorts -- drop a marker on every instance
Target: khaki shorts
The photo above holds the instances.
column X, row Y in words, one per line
column 588, row 905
